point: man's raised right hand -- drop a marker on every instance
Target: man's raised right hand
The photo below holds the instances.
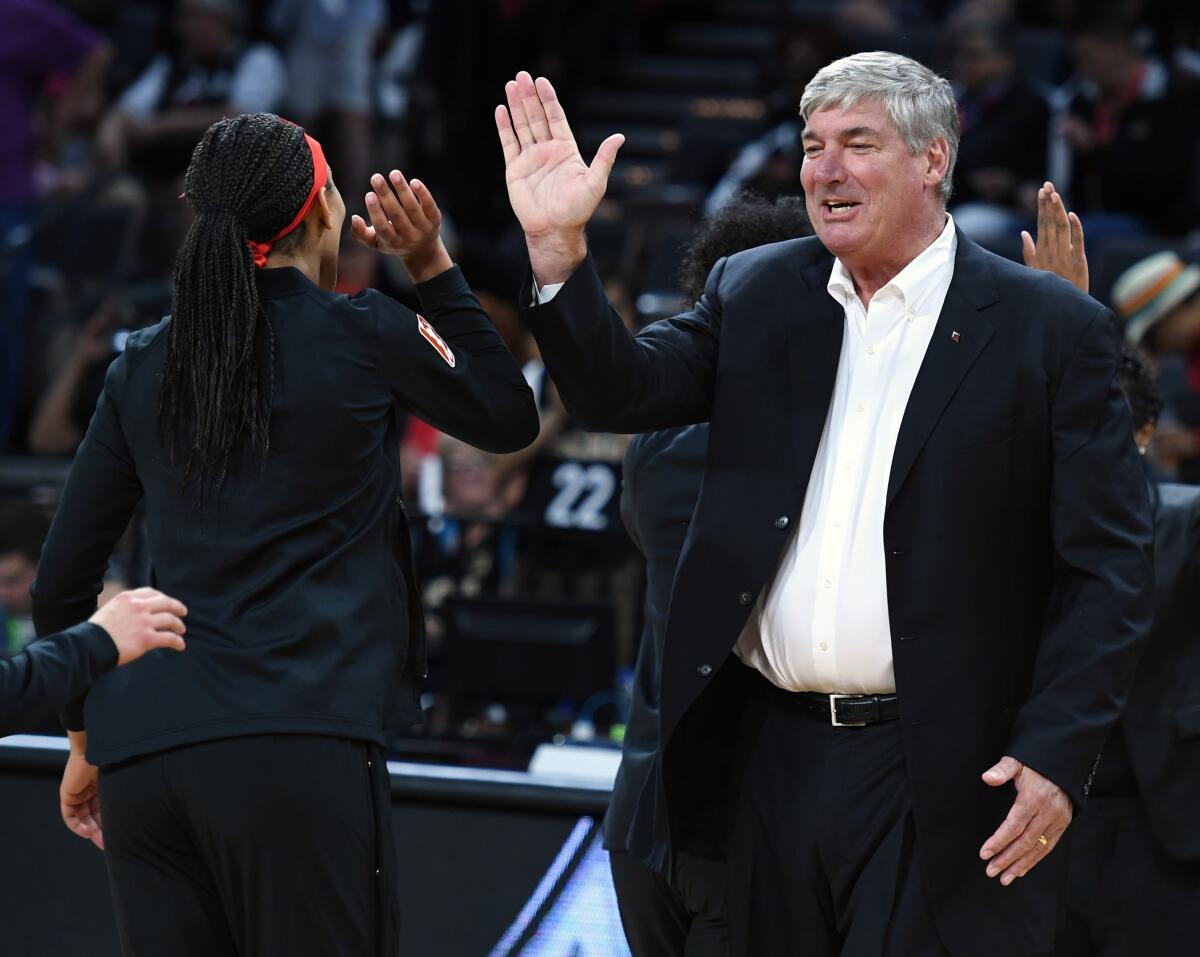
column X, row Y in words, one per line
column 141, row 620
column 552, row 191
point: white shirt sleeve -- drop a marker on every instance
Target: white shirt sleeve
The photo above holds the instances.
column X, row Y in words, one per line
column 259, row 81
column 543, row 296
column 142, row 97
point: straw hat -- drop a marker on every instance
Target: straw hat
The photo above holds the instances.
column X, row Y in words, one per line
column 1150, row 289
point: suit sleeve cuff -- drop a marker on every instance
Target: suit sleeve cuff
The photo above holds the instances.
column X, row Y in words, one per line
column 100, row 647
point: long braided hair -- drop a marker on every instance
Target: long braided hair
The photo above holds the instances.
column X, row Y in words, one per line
column 248, row 177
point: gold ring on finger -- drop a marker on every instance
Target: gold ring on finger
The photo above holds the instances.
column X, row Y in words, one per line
column 1043, row 840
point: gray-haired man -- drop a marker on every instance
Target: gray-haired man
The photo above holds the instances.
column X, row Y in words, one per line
column 923, row 532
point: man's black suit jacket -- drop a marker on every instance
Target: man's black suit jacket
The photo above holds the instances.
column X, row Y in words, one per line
column 1160, row 727
column 1017, row 533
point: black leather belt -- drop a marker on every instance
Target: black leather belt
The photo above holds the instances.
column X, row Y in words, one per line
column 849, row 710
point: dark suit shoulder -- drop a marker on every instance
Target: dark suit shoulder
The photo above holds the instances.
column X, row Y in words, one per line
column 1039, row 305
column 801, row 252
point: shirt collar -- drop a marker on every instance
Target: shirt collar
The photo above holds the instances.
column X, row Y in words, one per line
column 914, row 280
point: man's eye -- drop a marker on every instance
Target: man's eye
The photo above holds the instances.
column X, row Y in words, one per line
column 811, row 150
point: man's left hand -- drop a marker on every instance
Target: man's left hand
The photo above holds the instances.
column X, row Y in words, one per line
column 1039, row 817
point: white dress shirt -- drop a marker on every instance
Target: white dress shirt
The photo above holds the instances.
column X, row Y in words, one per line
column 822, row 623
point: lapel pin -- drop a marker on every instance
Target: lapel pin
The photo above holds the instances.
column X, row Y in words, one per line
column 954, row 336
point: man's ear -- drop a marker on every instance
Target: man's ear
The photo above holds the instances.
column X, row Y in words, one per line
column 938, row 155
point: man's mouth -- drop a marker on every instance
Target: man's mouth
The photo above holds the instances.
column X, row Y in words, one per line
column 839, row 205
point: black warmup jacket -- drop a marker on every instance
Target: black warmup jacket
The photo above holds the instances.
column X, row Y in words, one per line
column 297, row 574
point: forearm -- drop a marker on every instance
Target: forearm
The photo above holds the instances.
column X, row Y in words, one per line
column 52, row 431
column 553, row 257
column 428, row 264
column 179, row 124
column 37, row 682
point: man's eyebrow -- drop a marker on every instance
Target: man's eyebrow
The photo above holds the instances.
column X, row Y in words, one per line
column 849, row 134
column 856, row 131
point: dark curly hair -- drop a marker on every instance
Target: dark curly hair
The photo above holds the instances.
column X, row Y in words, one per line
column 746, row 221
column 1140, row 385
column 248, row 177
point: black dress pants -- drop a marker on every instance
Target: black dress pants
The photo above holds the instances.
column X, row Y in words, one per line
column 260, row 846
column 1125, row 897
column 825, row 860
column 660, row 919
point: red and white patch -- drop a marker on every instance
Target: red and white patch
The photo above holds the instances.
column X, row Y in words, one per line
column 435, row 340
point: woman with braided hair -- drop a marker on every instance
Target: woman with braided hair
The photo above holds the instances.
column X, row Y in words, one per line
column 243, row 785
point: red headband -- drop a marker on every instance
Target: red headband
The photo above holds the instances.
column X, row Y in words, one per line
column 320, row 179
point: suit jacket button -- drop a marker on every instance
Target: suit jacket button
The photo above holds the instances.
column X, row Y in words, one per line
column 781, row 522
column 745, row 598
column 704, row 671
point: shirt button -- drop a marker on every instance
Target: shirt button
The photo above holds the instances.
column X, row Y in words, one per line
column 824, row 646
column 745, row 598
column 837, row 523
column 781, row 522
column 870, row 350
column 860, row 408
column 704, row 671
column 848, row 466
column 828, row 583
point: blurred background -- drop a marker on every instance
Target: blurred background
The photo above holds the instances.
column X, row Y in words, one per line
column 532, row 589
column 102, row 102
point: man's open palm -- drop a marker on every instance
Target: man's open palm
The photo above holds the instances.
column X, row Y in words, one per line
column 551, row 189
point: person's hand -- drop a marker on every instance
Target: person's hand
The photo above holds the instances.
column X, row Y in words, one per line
column 95, row 338
column 406, row 223
column 1038, row 819
column 79, row 799
column 1059, row 245
column 552, row 191
column 142, row 620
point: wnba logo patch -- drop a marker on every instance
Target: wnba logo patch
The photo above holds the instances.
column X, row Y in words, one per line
column 435, row 340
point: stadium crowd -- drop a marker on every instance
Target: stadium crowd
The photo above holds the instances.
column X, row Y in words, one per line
column 102, row 102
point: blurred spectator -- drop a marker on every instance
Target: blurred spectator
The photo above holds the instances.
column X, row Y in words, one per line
column 1004, row 132
column 155, row 124
column 1159, row 300
column 1131, row 131
column 330, row 47
column 751, row 220
column 62, row 415
column 22, row 531
column 466, row 550
column 39, row 44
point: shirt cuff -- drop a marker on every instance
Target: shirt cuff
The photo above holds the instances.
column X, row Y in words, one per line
column 543, row 296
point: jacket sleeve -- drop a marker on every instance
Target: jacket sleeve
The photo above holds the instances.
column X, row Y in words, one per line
column 450, row 367
column 50, row 672
column 101, row 493
column 613, row 382
column 1102, row 598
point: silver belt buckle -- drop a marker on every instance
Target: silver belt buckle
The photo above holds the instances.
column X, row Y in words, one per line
column 833, row 718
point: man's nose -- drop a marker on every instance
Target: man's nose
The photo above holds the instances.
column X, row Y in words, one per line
column 827, row 168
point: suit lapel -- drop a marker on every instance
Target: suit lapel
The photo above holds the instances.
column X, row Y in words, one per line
column 959, row 337
column 814, row 350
